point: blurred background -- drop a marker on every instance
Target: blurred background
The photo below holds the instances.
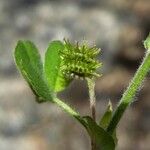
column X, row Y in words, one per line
column 118, row 27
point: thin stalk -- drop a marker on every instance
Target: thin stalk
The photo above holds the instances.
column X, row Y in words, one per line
column 128, row 96
column 70, row 111
column 91, row 86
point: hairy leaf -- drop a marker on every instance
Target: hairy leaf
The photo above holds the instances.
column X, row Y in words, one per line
column 147, row 43
column 30, row 65
column 106, row 117
column 104, row 141
column 55, row 78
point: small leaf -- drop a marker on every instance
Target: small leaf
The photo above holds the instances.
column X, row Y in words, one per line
column 30, row 65
column 104, row 141
column 147, row 43
column 106, row 117
column 55, row 78
column 104, row 122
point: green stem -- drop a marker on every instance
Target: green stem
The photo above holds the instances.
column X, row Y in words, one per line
column 128, row 96
column 91, row 86
column 70, row 111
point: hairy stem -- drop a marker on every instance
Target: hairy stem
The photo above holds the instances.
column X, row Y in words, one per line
column 128, row 96
column 70, row 111
column 91, row 86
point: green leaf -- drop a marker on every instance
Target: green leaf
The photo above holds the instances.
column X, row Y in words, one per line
column 55, row 78
column 105, row 120
column 107, row 116
column 104, row 141
column 147, row 43
column 30, row 65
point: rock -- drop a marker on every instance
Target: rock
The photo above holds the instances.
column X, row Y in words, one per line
column 132, row 54
column 27, row 142
column 142, row 8
column 130, row 35
column 113, row 83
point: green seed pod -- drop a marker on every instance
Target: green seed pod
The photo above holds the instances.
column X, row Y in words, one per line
column 79, row 61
